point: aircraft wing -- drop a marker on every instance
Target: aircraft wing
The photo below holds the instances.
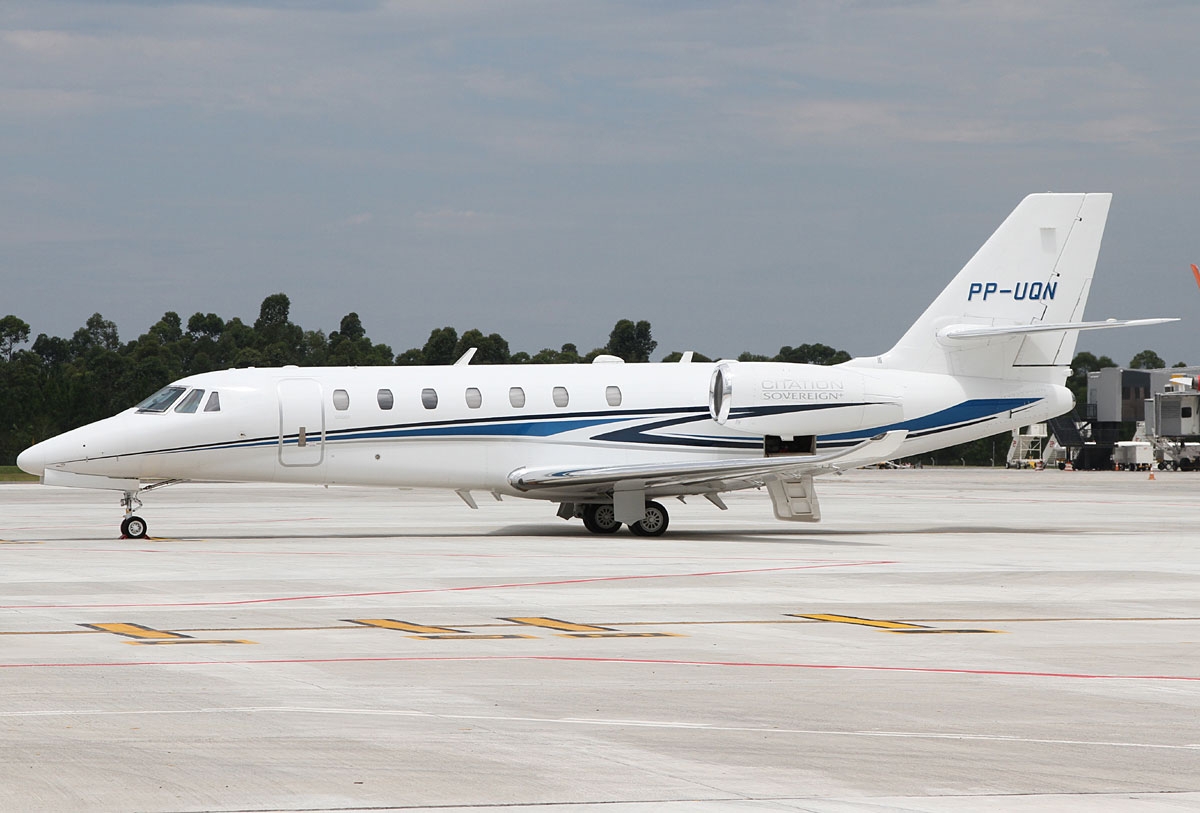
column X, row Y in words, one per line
column 705, row 476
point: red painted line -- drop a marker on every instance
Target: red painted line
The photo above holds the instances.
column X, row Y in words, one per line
column 645, row 661
column 412, row 591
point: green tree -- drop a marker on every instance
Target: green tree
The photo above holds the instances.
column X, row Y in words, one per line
column 13, row 331
column 492, row 349
column 205, row 325
column 1147, row 360
column 812, row 354
column 568, row 354
column 675, row 356
column 631, row 341
column 1084, row 363
column 97, row 332
column 441, row 346
column 351, row 327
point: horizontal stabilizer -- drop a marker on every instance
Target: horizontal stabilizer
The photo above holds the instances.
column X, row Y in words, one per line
column 958, row 332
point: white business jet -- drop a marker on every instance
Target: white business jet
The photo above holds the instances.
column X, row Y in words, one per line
column 605, row 440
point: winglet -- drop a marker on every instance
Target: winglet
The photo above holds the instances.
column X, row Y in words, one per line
column 1196, row 273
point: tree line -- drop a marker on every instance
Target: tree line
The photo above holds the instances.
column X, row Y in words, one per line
column 56, row 384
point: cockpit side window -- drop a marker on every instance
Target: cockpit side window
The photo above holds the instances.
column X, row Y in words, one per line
column 161, row 401
column 214, row 403
column 190, row 401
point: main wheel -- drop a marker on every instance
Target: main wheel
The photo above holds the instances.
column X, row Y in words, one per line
column 600, row 518
column 654, row 523
column 133, row 527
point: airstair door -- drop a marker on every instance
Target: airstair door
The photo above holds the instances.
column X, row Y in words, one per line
column 301, row 422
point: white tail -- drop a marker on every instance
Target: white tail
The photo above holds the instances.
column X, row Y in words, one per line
column 1013, row 311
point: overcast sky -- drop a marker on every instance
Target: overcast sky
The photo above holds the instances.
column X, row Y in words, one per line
column 742, row 175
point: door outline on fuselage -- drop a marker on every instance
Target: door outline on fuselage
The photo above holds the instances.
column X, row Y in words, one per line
column 301, row 422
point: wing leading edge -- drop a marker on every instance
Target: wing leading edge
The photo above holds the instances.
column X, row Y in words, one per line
column 706, row 476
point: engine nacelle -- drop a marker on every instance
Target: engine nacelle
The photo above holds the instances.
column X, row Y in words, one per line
column 791, row 400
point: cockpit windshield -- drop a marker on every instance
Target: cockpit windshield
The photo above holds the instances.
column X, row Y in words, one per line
column 161, row 401
column 190, row 401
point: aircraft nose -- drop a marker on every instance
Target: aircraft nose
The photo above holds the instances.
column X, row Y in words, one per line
column 33, row 460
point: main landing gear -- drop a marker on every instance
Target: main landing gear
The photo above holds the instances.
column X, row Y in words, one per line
column 601, row 518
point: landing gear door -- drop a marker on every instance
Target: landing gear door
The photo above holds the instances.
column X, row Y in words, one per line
column 301, row 422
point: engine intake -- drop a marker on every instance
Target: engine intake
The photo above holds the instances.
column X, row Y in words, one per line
column 790, row 400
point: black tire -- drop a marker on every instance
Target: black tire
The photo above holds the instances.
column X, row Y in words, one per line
column 654, row 523
column 601, row 518
column 133, row 527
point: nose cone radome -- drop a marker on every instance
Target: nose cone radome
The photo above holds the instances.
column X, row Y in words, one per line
column 33, row 460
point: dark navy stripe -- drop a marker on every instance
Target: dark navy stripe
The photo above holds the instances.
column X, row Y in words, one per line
column 966, row 413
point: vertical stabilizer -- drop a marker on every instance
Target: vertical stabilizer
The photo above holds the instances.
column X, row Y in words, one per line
column 1036, row 269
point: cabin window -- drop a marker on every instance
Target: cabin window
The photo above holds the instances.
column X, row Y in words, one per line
column 214, row 403
column 516, row 397
column 612, row 395
column 341, row 400
column 1185, row 412
column 190, row 401
column 429, row 398
column 561, row 398
column 161, row 401
column 474, row 398
column 385, row 399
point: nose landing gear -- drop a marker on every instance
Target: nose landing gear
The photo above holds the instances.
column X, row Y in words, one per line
column 132, row 527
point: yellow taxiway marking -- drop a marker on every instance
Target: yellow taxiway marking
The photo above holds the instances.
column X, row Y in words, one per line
column 621, row 635
column 462, row 636
column 556, row 624
column 866, row 622
column 572, row 630
column 136, row 631
column 938, row 632
column 428, row 633
column 148, row 635
column 403, row 626
column 171, row 641
column 898, row 627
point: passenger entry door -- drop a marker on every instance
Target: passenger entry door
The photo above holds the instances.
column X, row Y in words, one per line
column 301, row 422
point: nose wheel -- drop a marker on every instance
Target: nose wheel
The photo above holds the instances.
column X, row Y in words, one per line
column 133, row 526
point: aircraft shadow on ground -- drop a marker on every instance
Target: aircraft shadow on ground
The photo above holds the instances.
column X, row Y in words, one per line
column 777, row 536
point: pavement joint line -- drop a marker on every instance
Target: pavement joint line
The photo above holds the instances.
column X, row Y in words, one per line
column 467, row 588
column 358, row 624
column 925, row 670
column 665, row 724
column 179, row 641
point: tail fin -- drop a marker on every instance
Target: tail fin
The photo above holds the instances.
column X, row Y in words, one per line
column 1034, row 272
